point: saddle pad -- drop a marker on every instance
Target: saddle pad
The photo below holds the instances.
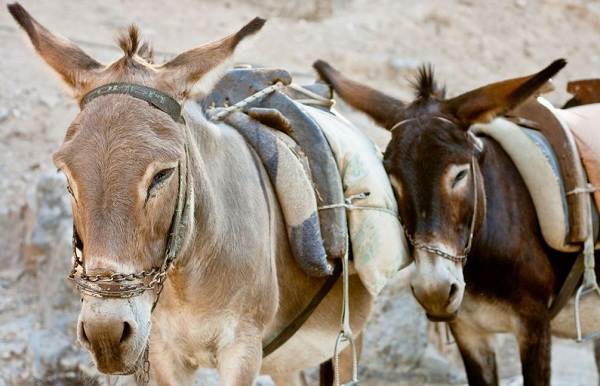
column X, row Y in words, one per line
column 287, row 168
column 536, row 162
column 584, row 122
column 378, row 244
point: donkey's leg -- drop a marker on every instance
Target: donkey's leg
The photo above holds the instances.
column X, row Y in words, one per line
column 326, row 373
column 239, row 361
column 293, row 379
column 534, row 345
column 477, row 353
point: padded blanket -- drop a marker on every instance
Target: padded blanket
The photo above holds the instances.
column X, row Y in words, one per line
column 288, row 171
column 378, row 243
column 536, row 162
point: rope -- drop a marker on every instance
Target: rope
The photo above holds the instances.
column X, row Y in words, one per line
column 588, row 188
column 316, row 99
column 219, row 113
column 350, row 206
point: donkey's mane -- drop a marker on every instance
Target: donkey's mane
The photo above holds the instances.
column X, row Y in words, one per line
column 425, row 85
column 131, row 43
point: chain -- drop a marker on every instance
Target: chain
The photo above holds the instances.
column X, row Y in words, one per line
column 117, row 277
column 462, row 258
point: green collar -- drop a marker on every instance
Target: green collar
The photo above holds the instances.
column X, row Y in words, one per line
column 156, row 98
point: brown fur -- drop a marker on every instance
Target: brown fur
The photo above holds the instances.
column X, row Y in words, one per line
column 511, row 274
column 235, row 284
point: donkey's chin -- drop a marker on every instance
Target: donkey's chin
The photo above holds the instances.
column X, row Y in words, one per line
column 118, row 363
column 442, row 317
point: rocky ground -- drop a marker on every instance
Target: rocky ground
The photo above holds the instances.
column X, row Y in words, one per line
column 380, row 42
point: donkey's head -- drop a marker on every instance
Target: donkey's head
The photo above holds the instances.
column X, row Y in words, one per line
column 433, row 164
column 123, row 159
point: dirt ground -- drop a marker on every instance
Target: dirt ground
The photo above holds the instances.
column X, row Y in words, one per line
column 381, row 42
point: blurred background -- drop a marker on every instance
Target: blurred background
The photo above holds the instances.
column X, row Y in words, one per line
column 379, row 42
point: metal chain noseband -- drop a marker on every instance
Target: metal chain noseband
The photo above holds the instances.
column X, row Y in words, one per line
column 462, row 257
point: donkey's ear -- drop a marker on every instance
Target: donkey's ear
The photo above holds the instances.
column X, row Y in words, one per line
column 74, row 66
column 181, row 73
column 485, row 103
column 384, row 109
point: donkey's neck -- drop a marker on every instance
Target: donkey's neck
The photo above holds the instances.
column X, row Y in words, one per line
column 231, row 245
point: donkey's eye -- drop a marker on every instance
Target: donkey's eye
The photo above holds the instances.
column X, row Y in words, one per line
column 160, row 177
column 462, row 174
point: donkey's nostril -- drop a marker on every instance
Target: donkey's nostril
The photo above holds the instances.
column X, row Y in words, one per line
column 84, row 337
column 453, row 291
column 127, row 332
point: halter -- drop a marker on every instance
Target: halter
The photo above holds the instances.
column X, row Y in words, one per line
column 474, row 167
column 119, row 285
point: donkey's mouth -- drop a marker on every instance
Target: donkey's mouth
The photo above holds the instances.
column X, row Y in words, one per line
column 442, row 318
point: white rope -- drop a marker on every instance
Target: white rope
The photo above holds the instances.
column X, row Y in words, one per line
column 589, row 188
column 350, row 206
column 219, row 113
column 316, row 99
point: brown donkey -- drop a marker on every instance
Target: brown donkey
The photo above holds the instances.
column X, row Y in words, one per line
column 461, row 196
column 129, row 160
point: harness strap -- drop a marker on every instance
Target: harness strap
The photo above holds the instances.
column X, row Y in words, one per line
column 568, row 287
column 156, row 98
column 303, row 316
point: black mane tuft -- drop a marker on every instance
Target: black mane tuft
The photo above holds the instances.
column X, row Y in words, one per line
column 425, row 85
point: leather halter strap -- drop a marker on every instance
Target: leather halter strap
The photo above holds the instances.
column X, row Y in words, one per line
column 158, row 99
column 405, row 121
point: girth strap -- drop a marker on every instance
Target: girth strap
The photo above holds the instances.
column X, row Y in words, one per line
column 303, row 316
column 158, row 99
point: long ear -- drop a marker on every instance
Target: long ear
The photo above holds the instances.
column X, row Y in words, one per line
column 384, row 109
column 486, row 103
column 75, row 66
column 182, row 72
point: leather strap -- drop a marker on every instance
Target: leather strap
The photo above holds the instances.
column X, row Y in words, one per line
column 574, row 277
column 299, row 320
column 568, row 288
column 158, row 99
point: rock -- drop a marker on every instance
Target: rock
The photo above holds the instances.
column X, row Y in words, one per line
column 11, row 236
column 48, row 249
column 435, row 368
column 47, row 347
column 396, row 335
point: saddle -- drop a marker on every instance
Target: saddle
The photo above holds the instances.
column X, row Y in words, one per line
column 322, row 169
column 555, row 153
column 585, row 92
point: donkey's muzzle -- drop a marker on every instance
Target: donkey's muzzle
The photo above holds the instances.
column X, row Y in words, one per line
column 107, row 340
column 441, row 299
column 115, row 332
